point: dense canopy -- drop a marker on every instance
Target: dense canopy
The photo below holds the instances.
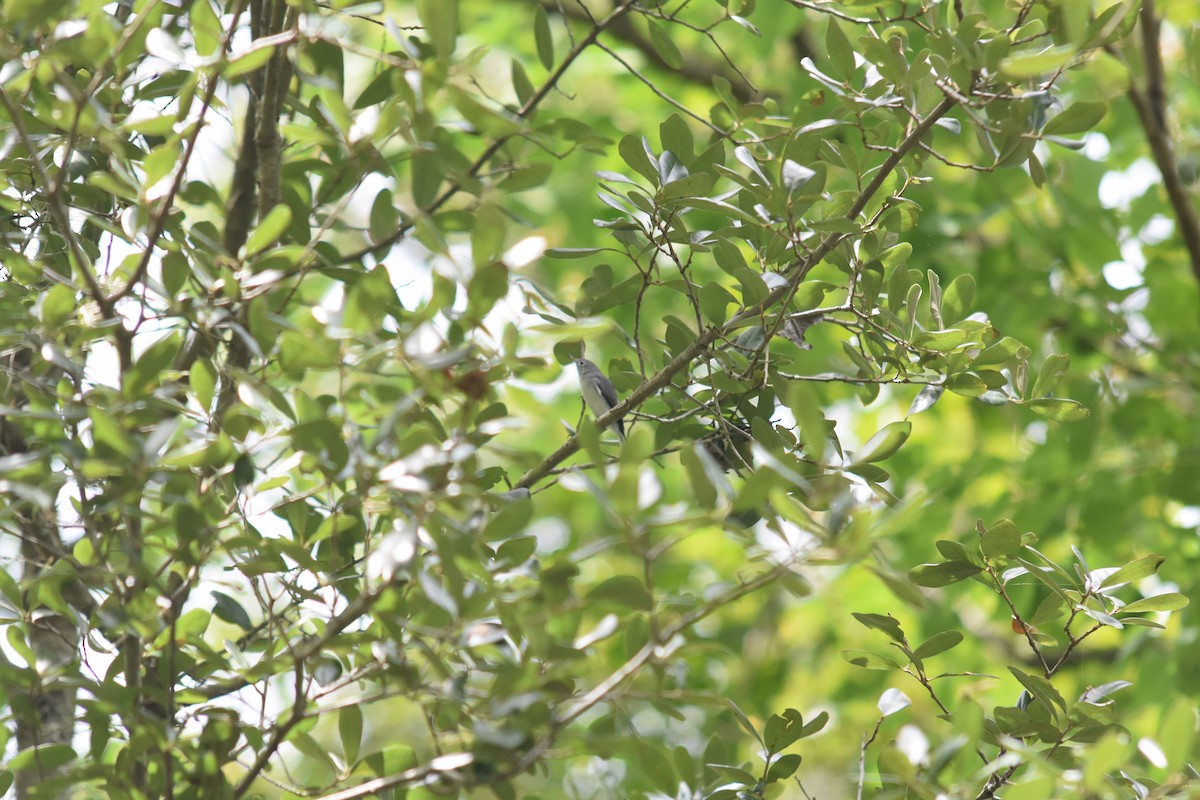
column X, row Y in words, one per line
column 899, row 299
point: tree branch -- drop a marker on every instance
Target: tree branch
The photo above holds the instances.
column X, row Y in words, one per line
column 168, row 202
column 697, row 70
column 706, row 337
column 276, row 76
column 597, row 694
column 1151, row 111
column 478, row 164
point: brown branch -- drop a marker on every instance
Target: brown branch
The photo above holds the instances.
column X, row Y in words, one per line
column 597, row 694
column 709, row 335
column 258, row 167
column 1156, row 81
column 278, row 737
column 275, row 77
column 243, row 191
column 1151, row 111
column 697, row 70
column 167, row 202
column 351, row 613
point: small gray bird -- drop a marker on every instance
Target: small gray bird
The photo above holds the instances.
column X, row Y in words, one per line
column 598, row 392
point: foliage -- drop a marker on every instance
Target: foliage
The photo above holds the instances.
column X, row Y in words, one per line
column 298, row 506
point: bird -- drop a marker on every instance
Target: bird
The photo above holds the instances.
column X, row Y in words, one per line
column 598, row 392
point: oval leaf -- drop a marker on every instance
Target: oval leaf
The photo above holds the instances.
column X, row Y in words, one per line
column 943, row 574
column 1171, row 601
column 885, row 443
column 938, row 643
column 868, row 660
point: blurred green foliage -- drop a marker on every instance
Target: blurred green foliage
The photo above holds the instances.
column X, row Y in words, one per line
column 300, row 499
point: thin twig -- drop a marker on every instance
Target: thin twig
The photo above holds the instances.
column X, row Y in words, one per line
column 1150, row 107
column 598, row 694
column 481, row 161
column 168, row 201
column 706, row 337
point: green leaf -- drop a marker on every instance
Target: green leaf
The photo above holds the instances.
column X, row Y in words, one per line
column 633, row 151
column 839, row 51
column 1053, row 369
column 926, row 398
column 1052, row 607
column 147, row 372
column 350, row 729
column 815, row 725
column 1079, row 117
column 522, row 86
column 306, row 350
column 384, row 218
column 440, row 19
column 1040, row 688
column 1176, row 732
column 427, row 174
column 721, row 207
column 805, row 405
column 957, row 299
column 42, row 757
column 268, row 231
column 938, row 643
column 676, row 136
column 541, row 34
column 305, row 743
column 745, row 722
column 1040, row 573
column 782, row 730
column 205, row 27
column 886, row 624
column 1059, row 410
column 1135, row 570
column 392, row 759
column 1001, row 352
column 1031, row 65
column 487, row 236
column 515, row 552
column 943, row 573
column 493, row 121
column 699, row 481
column 527, row 176
column 1169, row 601
column 896, row 256
column 1102, row 617
column 885, row 443
column 656, row 765
column 868, row 660
column 58, row 305
column 508, row 520
column 714, row 300
column 161, row 162
column 202, row 378
column 794, row 176
column 229, row 610
column 254, row 58
column 783, row 767
column 665, row 48
column 175, row 272
column 942, row 341
column 573, row 252
column 1002, row 539
column 622, row 590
